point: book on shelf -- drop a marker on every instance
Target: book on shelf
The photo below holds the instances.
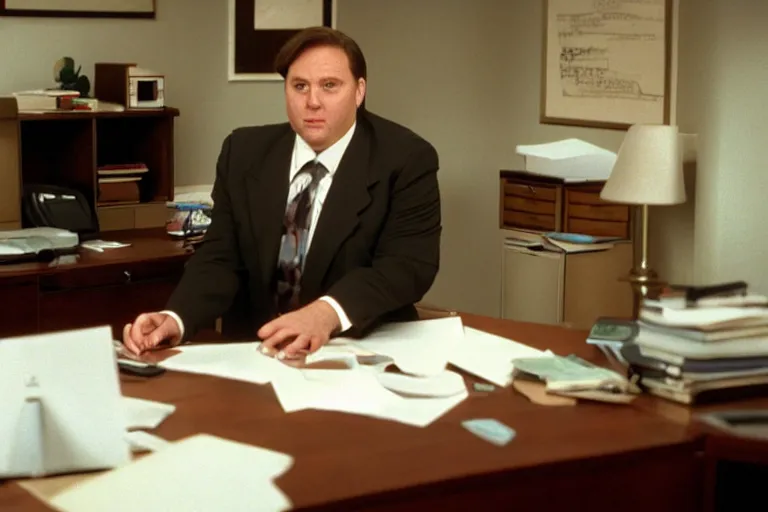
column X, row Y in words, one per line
column 120, row 183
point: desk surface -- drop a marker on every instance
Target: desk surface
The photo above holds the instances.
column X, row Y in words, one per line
column 604, row 455
column 146, row 245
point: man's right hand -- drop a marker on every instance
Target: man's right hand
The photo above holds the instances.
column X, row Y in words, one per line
column 149, row 330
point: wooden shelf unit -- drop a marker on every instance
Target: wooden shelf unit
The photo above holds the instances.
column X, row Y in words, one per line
column 66, row 148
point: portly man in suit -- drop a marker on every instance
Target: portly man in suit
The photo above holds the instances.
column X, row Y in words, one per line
column 329, row 223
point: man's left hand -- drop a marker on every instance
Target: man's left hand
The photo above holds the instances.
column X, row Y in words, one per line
column 304, row 330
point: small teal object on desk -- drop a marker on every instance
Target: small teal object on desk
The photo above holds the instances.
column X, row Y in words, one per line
column 491, row 430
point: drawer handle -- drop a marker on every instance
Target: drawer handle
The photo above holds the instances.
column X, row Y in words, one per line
column 127, row 276
column 533, row 190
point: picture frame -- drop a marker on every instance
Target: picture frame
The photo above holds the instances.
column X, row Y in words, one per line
column 255, row 36
column 606, row 64
column 139, row 9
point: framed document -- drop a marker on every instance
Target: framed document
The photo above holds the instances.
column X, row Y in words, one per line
column 606, row 64
column 259, row 28
column 79, row 8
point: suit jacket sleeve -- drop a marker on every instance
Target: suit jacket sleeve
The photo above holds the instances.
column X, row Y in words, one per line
column 406, row 257
column 210, row 281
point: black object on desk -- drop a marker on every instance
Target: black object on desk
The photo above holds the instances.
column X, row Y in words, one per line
column 139, row 368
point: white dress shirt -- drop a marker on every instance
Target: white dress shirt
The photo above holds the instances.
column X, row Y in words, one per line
column 330, row 158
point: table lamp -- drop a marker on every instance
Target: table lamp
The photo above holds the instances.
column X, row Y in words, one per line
column 648, row 171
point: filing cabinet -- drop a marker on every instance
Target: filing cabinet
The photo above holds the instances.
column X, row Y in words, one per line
column 568, row 289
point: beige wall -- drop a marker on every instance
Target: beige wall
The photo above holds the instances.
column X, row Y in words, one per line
column 466, row 75
column 723, row 77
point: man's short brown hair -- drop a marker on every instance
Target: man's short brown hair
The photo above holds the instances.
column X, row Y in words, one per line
column 321, row 36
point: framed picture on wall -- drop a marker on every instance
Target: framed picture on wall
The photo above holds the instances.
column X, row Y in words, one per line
column 258, row 28
column 79, row 8
column 606, row 64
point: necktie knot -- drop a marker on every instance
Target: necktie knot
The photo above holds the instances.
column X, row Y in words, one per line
column 315, row 170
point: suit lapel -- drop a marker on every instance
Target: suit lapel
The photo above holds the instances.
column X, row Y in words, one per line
column 347, row 197
column 267, row 194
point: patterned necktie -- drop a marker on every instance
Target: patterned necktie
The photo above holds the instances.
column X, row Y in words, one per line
column 293, row 247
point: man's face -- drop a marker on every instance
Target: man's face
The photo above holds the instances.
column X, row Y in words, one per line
column 322, row 96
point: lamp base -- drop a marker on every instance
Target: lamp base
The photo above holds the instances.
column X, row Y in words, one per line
column 645, row 284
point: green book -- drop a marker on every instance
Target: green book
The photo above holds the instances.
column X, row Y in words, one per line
column 613, row 332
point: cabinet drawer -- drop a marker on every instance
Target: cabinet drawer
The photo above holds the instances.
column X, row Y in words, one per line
column 18, row 314
column 529, row 205
column 543, row 192
column 529, row 220
column 584, row 197
column 597, row 228
column 616, row 213
column 123, row 273
column 108, row 305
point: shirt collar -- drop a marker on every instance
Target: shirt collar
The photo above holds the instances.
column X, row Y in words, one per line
column 330, row 157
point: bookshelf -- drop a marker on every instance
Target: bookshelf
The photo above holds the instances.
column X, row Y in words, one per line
column 67, row 148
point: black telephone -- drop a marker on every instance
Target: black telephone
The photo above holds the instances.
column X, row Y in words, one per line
column 59, row 207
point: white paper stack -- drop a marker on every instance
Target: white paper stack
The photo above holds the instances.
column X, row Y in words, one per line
column 571, row 159
column 202, row 472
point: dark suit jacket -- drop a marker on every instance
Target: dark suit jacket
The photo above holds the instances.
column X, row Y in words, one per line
column 375, row 249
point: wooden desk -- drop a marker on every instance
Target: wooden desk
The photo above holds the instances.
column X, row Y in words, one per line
column 108, row 288
column 588, row 457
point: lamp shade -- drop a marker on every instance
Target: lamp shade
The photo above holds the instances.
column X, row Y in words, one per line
column 648, row 168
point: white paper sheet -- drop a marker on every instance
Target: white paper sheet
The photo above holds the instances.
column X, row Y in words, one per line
column 489, row 356
column 358, row 391
column 60, row 401
column 238, row 361
column 419, row 348
column 141, row 441
column 140, row 413
column 444, row 384
column 202, row 472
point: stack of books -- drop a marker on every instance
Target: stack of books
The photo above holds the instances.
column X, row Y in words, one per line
column 694, row 349
column 46, row 100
